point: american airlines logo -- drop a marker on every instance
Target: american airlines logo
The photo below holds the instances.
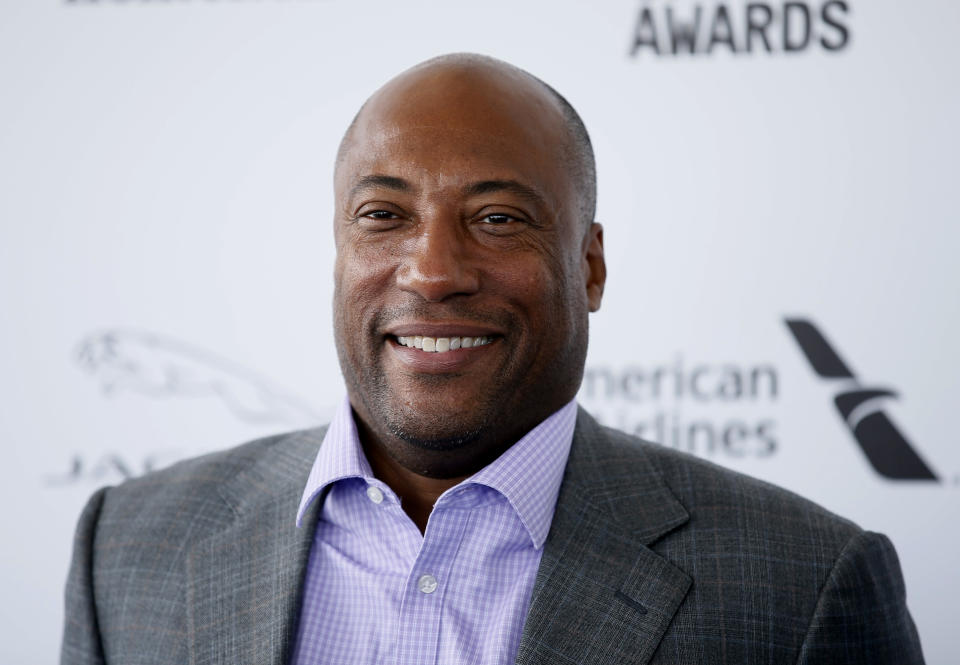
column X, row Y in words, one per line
column 861, row 408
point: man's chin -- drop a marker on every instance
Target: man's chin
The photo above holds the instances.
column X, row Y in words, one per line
column 437, row 424
column 437, row 442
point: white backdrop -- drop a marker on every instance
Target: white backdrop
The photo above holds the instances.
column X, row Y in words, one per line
column 166, row 253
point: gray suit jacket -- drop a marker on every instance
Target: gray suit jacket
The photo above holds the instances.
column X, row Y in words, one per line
column 653, row 557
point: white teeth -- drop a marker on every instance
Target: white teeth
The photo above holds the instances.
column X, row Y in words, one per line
column 442, row 344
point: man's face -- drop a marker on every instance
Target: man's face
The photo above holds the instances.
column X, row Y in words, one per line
column 463, row 274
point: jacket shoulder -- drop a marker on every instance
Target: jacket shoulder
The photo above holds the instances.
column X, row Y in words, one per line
column 774, row 576
column 721, row 500
column 127, row 591
column 198, row 493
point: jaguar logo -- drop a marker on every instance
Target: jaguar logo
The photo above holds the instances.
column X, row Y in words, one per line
column 162, row 367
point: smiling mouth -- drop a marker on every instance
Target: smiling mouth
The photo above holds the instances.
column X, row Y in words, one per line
column 443, row 344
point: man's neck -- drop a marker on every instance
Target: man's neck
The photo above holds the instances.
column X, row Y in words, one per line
column 419, row 476
column 417, row 493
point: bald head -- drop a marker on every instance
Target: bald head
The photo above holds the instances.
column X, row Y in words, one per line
column 466, row 80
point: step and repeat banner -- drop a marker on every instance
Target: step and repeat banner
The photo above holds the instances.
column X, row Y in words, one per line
column 777, row 183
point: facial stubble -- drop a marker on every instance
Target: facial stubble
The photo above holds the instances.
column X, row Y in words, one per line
column 431, row 442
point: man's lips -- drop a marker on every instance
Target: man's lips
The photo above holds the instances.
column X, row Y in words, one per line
column 431, row 358
column 440, row 347
column 443, row 344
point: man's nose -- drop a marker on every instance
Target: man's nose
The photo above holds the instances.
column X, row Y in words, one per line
column 438, row 263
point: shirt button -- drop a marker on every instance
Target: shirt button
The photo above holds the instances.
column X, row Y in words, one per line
column 427, row 583
column 374, row 494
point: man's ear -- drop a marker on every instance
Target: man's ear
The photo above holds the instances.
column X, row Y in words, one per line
column 594, row 267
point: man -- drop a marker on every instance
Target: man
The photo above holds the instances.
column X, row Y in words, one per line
column 459, row 509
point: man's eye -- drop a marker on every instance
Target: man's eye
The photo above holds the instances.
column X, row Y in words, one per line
column 501, row 224
column 499, row 219
column 378, row 219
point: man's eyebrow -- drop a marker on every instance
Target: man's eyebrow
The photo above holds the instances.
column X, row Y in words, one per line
column 511, row 186
column 380, row 181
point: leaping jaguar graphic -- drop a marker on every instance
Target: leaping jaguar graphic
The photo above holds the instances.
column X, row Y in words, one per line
column 159, row 366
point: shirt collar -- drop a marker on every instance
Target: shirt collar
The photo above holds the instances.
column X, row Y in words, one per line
column 340, row 456
column 528, row 474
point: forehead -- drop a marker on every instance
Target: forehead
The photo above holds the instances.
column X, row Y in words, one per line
column 446, row 127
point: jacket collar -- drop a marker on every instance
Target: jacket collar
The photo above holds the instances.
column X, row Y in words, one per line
column 601, row 594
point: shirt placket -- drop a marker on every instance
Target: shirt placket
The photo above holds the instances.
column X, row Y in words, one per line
column 427, row 586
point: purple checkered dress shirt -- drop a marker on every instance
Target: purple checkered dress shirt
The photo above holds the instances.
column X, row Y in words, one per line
column 377, row 591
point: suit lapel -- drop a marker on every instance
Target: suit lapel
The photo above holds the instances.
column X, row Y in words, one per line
column 244, row 581
column 601, row 594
